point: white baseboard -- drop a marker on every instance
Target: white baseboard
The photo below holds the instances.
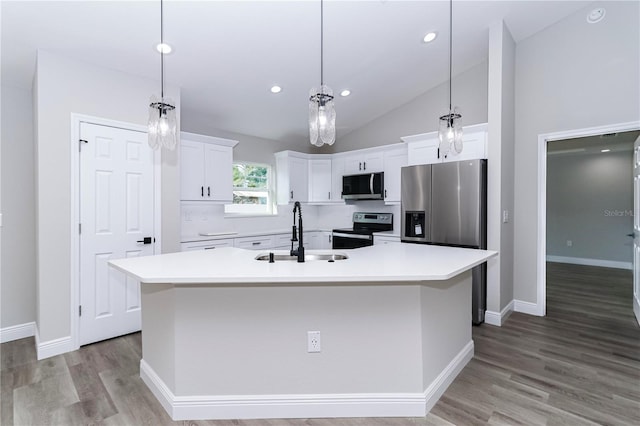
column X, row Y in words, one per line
column 591, row 262
column 53, row 347
column 218, row 407
column 446, row 377
column 15, row 332
column 498, row 318
column 527, row 308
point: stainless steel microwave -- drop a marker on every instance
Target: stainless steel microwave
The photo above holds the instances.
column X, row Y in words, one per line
column 368, row 186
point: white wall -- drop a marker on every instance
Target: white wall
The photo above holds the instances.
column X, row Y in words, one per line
column 501, row 100
column 572, row 75
column 590, row 202
column 421, row 114
column 18, row 277
column 64, row 86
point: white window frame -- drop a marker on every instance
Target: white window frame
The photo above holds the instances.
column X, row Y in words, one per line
column 241, row 210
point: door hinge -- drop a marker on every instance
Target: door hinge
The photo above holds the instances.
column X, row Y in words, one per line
column 79, row 310
column 80, row 142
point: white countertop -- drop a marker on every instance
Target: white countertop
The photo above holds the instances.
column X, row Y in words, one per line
column 218, row 235
column 383, row 263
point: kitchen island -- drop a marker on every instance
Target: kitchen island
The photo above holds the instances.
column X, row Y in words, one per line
column 226, row 336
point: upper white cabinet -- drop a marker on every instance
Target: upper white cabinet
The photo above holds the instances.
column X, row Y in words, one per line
column 394, row 160
column 337, row 171
column 206, row 164
column 320, row 188
column 363, row 162
column 424, row 149
column 292, row 177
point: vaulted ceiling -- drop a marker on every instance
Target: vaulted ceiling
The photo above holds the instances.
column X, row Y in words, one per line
column 227, row 54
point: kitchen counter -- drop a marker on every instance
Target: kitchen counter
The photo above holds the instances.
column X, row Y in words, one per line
column 397, row 262
column 219, row 235
column 225, row 336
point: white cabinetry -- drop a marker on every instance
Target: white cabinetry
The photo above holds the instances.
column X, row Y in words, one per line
column 206, row 168
column 363, row 162
column 424, row 149
column 385, row 239
column 207, row 245
column 254, row 243
column 394, row 160
column 320, row 190
column 292, row 177
column 337, row 171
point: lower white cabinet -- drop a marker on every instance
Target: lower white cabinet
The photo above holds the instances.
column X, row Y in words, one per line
column 325, row 241
column 254, row 243
column 207, row 245
column 385, row 239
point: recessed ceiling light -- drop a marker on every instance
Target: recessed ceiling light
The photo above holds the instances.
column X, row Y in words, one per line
column 596, row 15
column 276, row 89
column 163, row 48
column 345, row 92
column 605, row 150
column 429, row 37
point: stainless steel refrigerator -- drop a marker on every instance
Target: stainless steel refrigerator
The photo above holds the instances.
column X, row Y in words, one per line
column 446, row 204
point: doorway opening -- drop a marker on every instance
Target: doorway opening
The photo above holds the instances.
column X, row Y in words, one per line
column 590, row 226
column 563, row 224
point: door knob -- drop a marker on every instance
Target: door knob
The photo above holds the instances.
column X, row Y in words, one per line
column 145, row 240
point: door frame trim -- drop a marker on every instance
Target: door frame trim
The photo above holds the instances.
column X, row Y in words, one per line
column 76, row 120
column 543, row 140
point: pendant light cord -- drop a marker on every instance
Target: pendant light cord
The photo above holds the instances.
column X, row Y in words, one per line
column 321, row 44
column 161, row 52
column 450, row 48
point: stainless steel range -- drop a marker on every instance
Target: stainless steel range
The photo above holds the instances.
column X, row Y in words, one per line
column 361, row 235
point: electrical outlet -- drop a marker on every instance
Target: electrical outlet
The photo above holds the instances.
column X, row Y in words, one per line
column 313, row 341
column 505, row 216
column 569, row 243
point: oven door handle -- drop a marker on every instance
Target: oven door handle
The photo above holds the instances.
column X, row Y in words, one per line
column 354, row 236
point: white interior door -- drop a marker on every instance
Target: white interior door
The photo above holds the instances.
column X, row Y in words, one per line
column 636, row 229
column 116, row 215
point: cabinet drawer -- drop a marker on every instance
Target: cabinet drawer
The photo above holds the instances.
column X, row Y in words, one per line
column 282, row 240
column 254, row 243
column 206, row 245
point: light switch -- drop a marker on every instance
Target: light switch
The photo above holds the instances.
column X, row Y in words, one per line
column 505, row 216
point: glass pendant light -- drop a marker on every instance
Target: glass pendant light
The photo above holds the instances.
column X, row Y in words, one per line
column 450, row 129
column 322, row 111
column 163, row 129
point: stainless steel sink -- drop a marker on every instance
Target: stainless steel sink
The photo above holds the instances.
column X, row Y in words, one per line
column 307, row 257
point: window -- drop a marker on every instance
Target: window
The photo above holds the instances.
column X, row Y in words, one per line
column 252, row 189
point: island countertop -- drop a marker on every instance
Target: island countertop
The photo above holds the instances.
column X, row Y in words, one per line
column 381, row 263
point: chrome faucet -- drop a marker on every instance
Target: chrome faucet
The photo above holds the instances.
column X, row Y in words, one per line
column 297, row 233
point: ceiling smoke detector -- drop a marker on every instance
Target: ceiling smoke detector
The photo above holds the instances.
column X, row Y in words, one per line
column 596, row 15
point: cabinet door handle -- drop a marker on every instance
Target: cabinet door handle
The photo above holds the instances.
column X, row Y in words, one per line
column 255, row 243
column 329, row 237
column 202, row 191
column 385, row 193
column 364, row 166
column 208, row 191
column 359, row 166
column 329, row 194
column 209, row 248
column 292, row 195
column 438, row 152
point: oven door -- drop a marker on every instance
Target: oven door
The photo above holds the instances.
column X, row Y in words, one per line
column 351, row 241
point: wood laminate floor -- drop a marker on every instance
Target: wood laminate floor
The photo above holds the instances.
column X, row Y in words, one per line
column 579, row 365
